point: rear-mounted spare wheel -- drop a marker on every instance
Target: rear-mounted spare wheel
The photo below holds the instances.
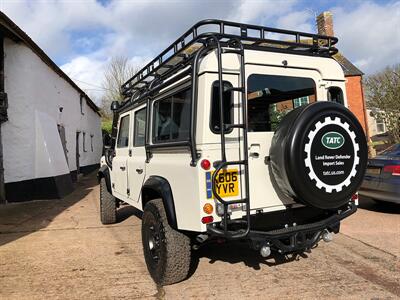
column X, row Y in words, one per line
column 319, row 155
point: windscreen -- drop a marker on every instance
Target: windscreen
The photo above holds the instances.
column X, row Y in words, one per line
column 271, row 97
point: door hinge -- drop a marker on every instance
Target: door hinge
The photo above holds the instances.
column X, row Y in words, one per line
column 130, row 152
column 128, row 191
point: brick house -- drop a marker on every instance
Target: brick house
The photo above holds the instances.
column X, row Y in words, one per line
column 353, row 75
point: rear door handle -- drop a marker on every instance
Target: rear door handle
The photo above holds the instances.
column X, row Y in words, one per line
column 139, row 171
column 122, row 168
column 254, row 150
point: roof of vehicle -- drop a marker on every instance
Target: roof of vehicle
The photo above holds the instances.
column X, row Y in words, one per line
column 224, row 33
column 12, row 31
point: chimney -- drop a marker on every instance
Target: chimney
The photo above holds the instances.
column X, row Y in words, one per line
column 325, row 23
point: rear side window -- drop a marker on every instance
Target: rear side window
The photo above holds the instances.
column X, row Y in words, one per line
column 271, row 97
column 227, row 99
column 335, row 94
column 171, row 118
column 123, row 132
column 140, row 128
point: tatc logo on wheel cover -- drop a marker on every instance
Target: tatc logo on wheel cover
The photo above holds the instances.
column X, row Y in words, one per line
column 333, row 140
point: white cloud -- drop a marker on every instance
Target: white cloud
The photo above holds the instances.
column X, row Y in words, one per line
column 83, row 35
column 88, row 75
column 369, row 35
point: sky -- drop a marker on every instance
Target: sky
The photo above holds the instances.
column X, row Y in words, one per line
column 81, row 36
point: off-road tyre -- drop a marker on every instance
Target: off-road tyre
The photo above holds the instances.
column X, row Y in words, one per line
column 167, row 252
column 108, row 204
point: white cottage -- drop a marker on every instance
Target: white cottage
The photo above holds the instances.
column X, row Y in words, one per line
column 50, row 129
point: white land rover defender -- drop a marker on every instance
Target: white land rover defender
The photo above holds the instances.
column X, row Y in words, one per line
column 235, row 131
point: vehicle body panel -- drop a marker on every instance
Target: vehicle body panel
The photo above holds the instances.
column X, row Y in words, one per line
column 188, row 183
column 381, row 185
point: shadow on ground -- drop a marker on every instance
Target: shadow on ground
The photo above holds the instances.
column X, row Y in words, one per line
column 240, row 252
column 23, row 218
column 379, row 206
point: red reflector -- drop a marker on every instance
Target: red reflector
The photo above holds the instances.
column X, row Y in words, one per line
column 205, row 164
column 354, row 197
column 394, row 169
column 206, row 220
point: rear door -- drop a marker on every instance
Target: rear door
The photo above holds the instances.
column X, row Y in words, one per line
column 137, row 158
column 119, row 170
column 272, row 92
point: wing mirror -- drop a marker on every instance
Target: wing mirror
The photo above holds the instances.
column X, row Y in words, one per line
column 114, row 105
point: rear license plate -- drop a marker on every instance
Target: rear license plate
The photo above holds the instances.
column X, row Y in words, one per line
column 374, row 171
column 226, row 183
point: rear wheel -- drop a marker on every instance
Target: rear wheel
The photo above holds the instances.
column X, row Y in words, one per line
column 108, row 204
column 166, row 251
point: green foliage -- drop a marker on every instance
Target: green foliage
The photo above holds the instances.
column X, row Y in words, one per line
column 106, row 125
column 383, row 98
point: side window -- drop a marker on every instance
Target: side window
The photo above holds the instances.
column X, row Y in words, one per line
column 81, row 104
column 271, row 97
column 335, row 94
column 171, row 118
column 140, row 128
column 123, row 133
column 227, row 99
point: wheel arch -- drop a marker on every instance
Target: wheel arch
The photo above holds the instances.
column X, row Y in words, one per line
column 104, row 172
column 159, row 187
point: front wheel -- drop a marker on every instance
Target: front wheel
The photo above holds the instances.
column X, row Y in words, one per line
column 166, row 251
column 108, row 204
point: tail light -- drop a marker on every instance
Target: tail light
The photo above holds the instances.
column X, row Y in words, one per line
column 354, row 199
column 206, row 220
column 205, row 164
column 394, row 169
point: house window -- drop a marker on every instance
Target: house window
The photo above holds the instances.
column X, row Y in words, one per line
column 84, row 141
column 91, row 142
column 380, row 124
column 300, row 101
column 172, row 118
column 81, row 104
column 227, row 100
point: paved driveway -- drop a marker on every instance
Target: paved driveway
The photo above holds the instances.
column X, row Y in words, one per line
column 59, row 250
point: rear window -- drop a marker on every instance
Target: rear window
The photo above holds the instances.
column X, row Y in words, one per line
column 271, row 97
column 335, row 94
column 393, row 150
column 227, row 99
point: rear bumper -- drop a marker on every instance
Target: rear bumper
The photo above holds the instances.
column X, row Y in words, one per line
column 290, row 239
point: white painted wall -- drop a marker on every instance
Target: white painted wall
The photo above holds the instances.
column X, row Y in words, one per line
column 35, row 94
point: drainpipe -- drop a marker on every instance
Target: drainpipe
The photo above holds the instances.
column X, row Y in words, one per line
column 3, row 118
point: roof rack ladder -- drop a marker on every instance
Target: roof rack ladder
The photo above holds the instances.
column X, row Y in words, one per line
column 219, row 165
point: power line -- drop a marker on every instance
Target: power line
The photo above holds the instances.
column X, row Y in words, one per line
column 96, row 86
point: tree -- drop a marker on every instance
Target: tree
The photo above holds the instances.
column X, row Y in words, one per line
column 116, row 73
column 383, row 98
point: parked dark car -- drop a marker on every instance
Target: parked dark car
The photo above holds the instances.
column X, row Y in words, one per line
column 382, row 179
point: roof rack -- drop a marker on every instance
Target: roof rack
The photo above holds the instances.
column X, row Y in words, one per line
column 178, row 54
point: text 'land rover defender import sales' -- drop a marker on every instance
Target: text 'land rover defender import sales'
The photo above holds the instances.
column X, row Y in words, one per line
column 235, row 131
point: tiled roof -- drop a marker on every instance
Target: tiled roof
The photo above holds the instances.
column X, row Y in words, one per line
column 348, row 68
